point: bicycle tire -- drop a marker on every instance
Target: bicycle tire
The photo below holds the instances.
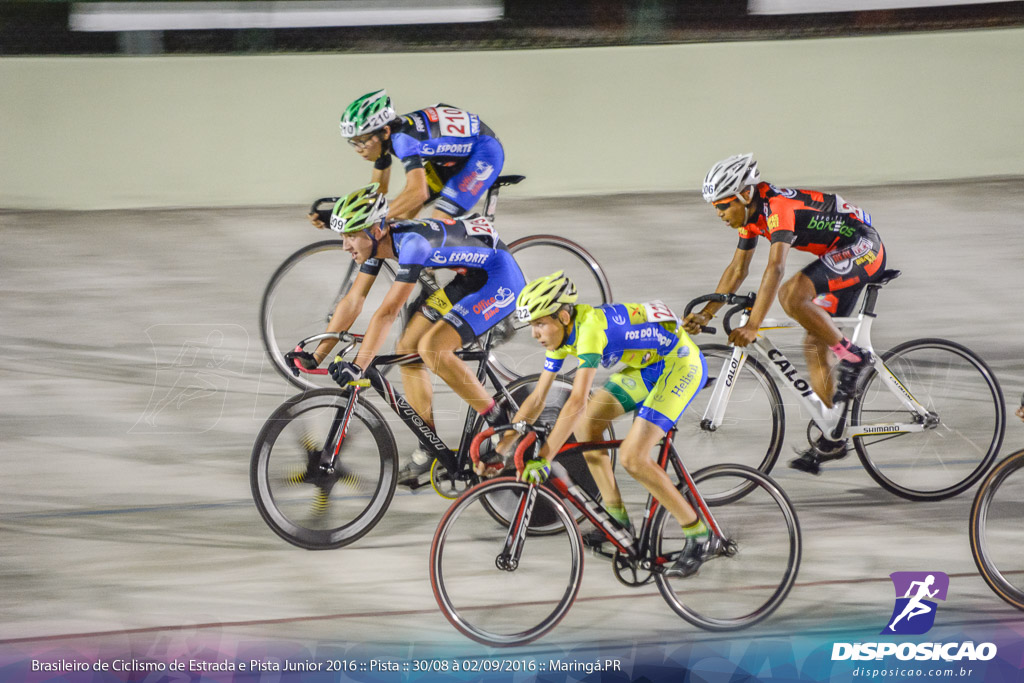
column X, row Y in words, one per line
column 953, row 382
column 515, row 352
column 287, row 494
column 723, row 582
column 302, row 308
column 469, row 585
column 981, row 510
column 755, row 413
column 574, row 463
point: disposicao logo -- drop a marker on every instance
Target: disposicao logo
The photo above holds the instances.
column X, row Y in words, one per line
column 914, row 614
column 916, row 592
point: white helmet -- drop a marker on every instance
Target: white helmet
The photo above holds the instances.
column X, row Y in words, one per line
column 730, row 176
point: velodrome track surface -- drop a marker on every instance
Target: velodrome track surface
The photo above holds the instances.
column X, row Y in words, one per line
column 134, row 384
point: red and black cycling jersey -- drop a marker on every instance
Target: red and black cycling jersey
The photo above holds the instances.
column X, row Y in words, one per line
column 805, row 219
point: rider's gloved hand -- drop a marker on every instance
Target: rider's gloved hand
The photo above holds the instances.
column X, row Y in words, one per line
column 307, row 360
column 536, row 472
column 343, row 372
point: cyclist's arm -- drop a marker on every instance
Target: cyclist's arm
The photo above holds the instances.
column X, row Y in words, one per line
column 531, row 408
column 381, row 177
column 734, row 275
column 570, row 414
column 382, row 320
column 346, row 312
column 770, row 283
column 412, row 197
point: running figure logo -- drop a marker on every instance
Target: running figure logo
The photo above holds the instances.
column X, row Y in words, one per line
column 914, row 612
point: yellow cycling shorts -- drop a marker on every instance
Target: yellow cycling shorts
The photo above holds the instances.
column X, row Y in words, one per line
column 661, row 391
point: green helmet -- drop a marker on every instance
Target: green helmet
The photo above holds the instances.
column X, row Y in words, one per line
column 544, row 296
column 370, row 112
column 360, row 210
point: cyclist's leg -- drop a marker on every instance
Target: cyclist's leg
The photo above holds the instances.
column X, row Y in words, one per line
column 602, row 408
column 415, row 377
column 798, row 297
column 438, row 349
column 482, row 299
column 464, row 189
column 683, row 376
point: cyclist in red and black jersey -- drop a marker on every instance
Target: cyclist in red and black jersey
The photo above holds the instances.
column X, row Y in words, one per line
column 850, row 255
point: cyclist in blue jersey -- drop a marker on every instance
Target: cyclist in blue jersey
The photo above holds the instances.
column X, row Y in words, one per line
column 450, row 156
column 662, row 371
column 481, row 295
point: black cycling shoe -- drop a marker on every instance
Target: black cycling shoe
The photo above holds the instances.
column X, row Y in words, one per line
column 850, row 375
column 596, row 537
column 693, row 555
column 820, row 451
column 807, row 462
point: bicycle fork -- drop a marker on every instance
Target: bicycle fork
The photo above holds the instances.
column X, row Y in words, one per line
column 336, row 434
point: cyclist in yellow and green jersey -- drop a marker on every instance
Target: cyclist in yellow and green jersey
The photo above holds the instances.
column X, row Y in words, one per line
column 663, row 371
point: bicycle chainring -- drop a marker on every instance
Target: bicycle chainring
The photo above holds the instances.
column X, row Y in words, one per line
column 445, row 485
column 628, row 571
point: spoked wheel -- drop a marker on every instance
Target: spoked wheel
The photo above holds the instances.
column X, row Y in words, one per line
column 963, row 432
column 995, row 529
column 314, row 509
column 517, row 352
column 545, row 520
column 757, row 565
column 752, row 428
column 300, row 299
column 493, row 598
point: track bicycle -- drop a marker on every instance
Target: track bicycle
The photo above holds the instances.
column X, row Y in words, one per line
column 324, row 466
column 303, row 292
column 995, row 529
column 502, row 586
column 926, row 420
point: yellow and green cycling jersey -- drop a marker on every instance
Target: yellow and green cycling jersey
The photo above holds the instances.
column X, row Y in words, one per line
column 664, row 368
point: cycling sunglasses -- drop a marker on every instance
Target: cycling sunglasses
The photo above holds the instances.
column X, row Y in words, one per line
column 724, row 204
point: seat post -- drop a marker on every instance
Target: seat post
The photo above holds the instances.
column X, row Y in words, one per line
column 870, row 297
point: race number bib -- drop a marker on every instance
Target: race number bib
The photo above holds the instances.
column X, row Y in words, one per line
column 481, row 227
column 658, row 312
column 452, row 122
column 843, row 206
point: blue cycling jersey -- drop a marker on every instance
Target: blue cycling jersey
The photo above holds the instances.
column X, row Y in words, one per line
column 459, row 153
column 471, row 242
column 489, row 280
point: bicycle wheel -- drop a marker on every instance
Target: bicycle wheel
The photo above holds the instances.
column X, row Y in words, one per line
column 961, row 392
column 751, row 432
column 995, row 529
column 317, row 511
column 516, row 352
column 545, row 520
column 503, row 606
column 734, row 591
column 300, row 298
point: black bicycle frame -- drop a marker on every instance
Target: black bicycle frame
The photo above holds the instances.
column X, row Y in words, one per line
column 428, row 438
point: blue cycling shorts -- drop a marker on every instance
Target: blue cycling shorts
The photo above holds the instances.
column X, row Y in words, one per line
column 482, row 168
column 477, row 300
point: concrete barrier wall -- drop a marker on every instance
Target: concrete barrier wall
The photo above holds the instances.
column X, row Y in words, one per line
column 117, row 132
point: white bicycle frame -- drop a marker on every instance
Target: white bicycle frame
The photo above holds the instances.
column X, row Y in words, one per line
column 829, row 420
